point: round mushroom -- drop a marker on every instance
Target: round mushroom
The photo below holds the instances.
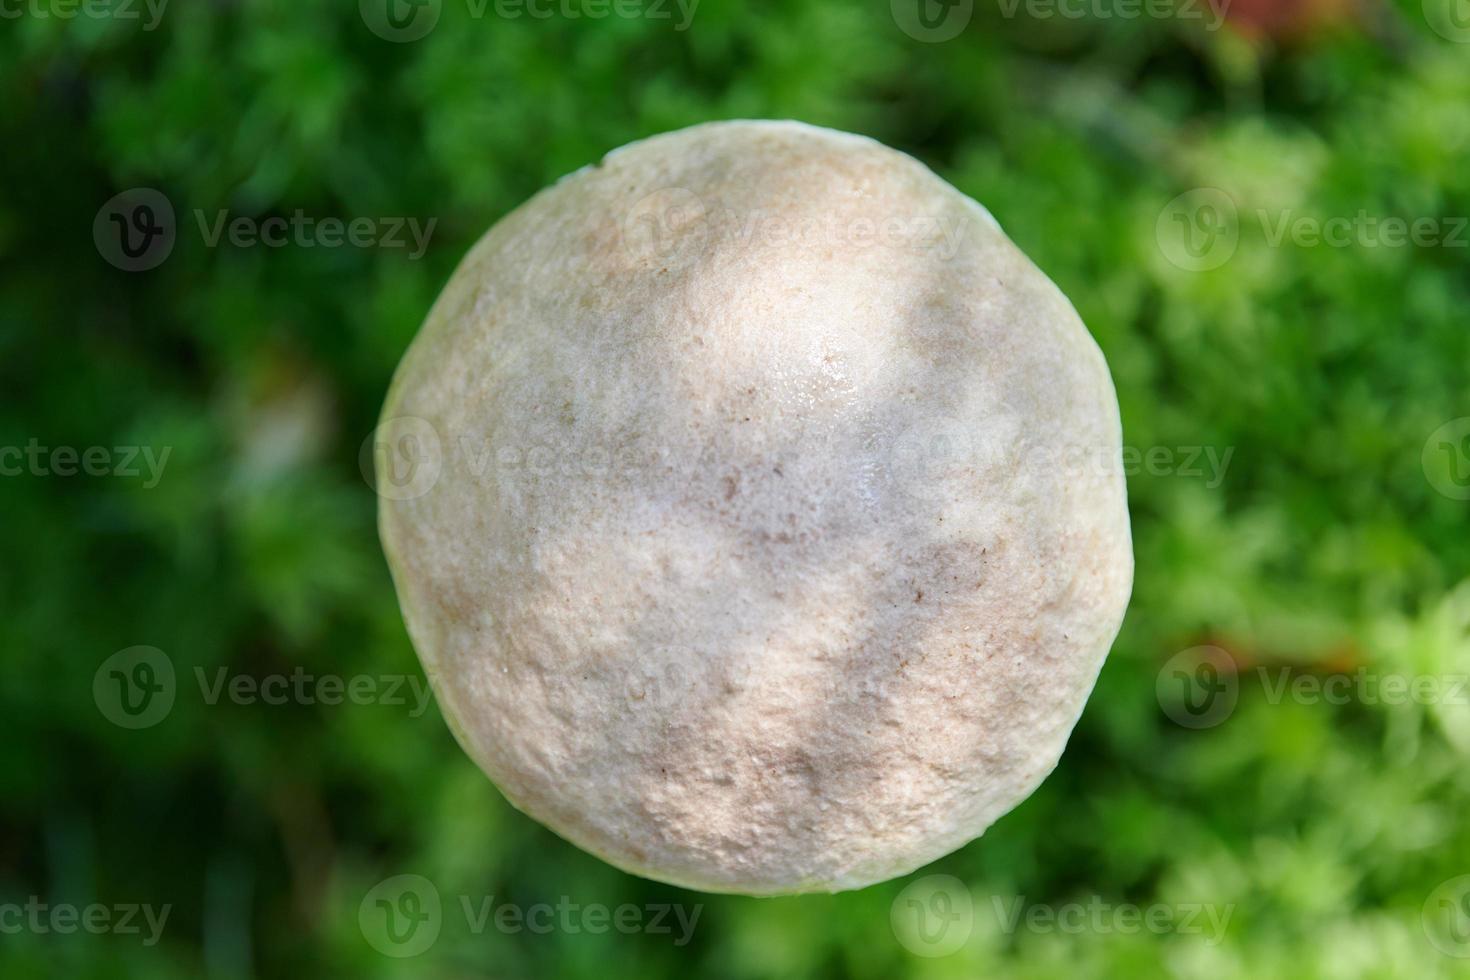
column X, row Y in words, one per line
column 756, row 509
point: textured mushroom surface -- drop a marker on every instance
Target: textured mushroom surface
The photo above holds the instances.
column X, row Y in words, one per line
column 767, row 530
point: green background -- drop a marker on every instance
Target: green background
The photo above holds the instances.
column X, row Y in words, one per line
column 1327, row 548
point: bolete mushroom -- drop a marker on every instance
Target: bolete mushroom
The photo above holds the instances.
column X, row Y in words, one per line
column 773, row 532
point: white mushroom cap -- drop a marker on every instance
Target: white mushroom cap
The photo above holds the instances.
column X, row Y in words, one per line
column 779, row 532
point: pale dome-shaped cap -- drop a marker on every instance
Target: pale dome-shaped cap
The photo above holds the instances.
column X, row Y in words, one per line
column 766, row 530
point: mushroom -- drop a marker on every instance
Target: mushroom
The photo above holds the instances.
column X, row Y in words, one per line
column 769, row 532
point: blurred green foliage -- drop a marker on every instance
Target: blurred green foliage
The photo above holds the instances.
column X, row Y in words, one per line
column 1325, row 547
